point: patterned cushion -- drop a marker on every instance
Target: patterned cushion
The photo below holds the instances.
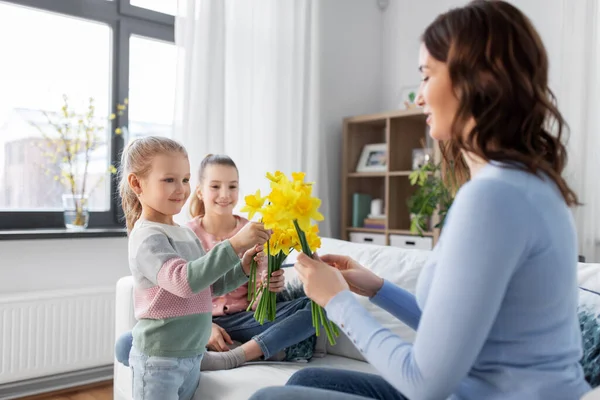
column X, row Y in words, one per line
column 589, row 321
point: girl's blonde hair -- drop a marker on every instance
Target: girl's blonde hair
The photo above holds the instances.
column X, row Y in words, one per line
column 196, row 205
column 137, row 159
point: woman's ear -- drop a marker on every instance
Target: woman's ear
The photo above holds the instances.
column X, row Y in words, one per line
column 198, row 192
column 134, row 183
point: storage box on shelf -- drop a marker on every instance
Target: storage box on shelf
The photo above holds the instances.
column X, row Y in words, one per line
column 401, row 131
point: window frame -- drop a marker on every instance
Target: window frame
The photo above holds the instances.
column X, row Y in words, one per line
column 124, row 20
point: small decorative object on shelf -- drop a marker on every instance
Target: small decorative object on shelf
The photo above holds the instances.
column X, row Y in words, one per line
column 376, row 209
column 70, row 151
column 409, row 96
column 374, row 223
column 420, row 157
column 373, row 158
column 432, row 196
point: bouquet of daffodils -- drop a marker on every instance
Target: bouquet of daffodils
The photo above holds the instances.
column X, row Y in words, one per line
column 289, row 211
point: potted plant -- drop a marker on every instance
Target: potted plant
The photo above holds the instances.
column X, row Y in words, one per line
column 68, row 150
column 431, row 197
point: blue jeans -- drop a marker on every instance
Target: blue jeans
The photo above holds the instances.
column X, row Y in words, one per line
column 331, row 384
column 164, row 378
column 293, row 323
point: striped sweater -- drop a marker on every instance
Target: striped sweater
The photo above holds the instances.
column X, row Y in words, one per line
column 173, row 280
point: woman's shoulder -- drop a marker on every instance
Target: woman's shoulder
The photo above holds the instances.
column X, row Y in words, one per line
column 500, row 183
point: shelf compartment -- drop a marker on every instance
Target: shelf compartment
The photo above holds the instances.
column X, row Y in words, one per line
column 400, row 190
column 359, row 134
column 406, row 134
column 373, row 186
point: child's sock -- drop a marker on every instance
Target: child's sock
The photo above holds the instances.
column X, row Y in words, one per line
column 214, row 360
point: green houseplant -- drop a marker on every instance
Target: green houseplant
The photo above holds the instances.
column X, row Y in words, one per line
column 431, row 197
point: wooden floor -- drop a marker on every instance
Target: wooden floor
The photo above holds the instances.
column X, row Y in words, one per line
column 97, row 391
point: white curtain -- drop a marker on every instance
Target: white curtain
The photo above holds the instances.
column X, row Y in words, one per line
column 247, row 86
column 579, row 100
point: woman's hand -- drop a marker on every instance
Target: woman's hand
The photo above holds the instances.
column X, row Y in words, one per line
column 218, row 339
column 277, row 281
column 256, row 254
column 361, row 280
column 321, row 281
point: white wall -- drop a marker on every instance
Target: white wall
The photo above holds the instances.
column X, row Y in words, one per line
column 350, row 74
column 405, row 20
column 54, row 264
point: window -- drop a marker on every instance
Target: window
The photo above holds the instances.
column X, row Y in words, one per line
column 101, row 50
column 152, row 74
column 33, row 82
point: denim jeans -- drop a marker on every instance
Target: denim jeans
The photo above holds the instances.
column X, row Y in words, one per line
column 164, row 378
column 331, row 384
column 292, row 324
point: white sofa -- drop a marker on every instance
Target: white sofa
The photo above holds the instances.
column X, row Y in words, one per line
column 395, row 264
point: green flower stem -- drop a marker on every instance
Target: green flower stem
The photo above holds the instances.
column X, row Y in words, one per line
column 252, row 281
column 319, row 314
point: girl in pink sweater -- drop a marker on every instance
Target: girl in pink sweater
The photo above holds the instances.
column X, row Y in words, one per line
column 212, row 207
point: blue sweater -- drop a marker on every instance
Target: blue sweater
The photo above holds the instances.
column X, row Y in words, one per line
column 496, row 305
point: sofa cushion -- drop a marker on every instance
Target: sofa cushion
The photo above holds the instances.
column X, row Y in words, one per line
column 241, row 382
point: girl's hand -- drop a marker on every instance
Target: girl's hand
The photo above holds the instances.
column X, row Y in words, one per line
column 219, row 339
column 250, row 235
column 255, row 253
column 277, row 281
column 321, row 281
column 360, row 280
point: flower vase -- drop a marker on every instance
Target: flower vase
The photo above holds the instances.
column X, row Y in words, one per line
column 76, row 214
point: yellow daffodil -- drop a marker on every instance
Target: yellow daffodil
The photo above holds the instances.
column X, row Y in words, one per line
column 275, row 177
column 254, row 203
column 270, row 217
column 313, row 239
column 305, row 209
column 298, row 176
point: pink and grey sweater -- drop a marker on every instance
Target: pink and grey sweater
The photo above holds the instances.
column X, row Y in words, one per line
column 236, row 300
column 173, row 280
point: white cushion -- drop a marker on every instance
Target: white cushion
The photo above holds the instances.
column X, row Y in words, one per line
column 588, row 276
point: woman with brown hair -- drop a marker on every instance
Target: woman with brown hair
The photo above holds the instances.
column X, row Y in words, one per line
column 495, row 311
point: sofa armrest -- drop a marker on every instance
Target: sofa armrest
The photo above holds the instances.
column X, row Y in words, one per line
column 124, row 313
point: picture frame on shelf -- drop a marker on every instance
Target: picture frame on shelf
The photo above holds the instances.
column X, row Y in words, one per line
column 373, row 158
column 408, row 97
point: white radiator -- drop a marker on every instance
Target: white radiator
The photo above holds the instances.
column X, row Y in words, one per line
column 50, row 333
